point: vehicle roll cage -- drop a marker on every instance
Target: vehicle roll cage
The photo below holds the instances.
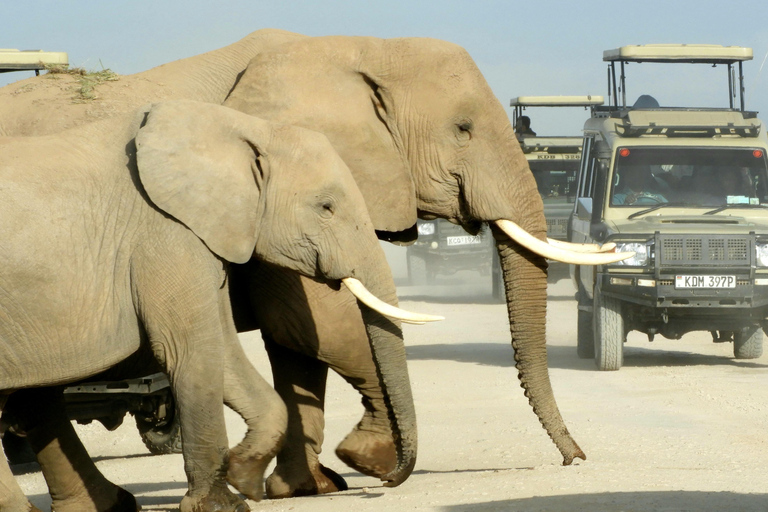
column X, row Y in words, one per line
column 522, row 102
column 692, row 54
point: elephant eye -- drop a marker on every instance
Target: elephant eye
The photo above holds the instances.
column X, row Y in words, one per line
column 326, row 209
column 465, row 129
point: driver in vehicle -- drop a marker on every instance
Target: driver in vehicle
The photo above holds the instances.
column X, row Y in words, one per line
column 636, row 184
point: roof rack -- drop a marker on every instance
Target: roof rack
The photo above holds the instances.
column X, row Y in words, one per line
column 686, row 123
column 30, row 60
column 676, row 53
column 554, row 145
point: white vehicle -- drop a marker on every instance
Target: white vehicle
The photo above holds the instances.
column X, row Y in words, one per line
column 554, row 160
column 686, row 190
column 31, row 60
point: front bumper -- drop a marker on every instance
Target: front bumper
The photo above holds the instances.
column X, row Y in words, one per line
column 647, row 290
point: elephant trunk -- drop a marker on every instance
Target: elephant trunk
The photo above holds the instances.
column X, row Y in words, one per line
column 388, row 349
column 525, row 281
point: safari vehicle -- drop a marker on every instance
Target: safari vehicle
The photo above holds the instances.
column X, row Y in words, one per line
column 554, row 161
column 686, row 190
column 149, row 398
column 445, row 248
column 31, row 60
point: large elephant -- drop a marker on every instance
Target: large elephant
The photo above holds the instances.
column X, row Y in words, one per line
column 110, row 253
column 425, row 137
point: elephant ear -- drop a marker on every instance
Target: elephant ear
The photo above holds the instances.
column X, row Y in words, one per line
column 198, row 163
column 318, row 83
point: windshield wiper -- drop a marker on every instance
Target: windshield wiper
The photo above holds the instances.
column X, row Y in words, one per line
column 656, row 207
column 741, row 205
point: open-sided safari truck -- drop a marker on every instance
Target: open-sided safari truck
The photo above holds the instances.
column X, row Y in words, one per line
column 684, row 188
column 554, row 160
column 149, row 398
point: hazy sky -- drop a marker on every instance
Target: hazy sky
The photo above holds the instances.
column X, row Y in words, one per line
column 528, row 47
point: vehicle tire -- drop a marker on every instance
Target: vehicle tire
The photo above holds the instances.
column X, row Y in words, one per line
column 749, row 344
column 609, row 333
column 17, row 449
column 161, row 439
column 585, row 335
column 417, row 270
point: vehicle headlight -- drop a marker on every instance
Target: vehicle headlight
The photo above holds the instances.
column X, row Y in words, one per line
column 641, row 253
column 426, row 228
column 762, row 254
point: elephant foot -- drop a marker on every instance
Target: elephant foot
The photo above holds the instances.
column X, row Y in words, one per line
column 322, row 480
column 370, row 453
column 219, row 499
column 121, row 501
column 246, row 474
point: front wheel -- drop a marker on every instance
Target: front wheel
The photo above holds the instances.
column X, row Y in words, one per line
column 585, row 335
column 609, row 333
column 748, row 344
column 163, row 438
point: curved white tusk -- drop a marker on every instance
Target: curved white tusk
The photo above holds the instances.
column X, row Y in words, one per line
column 363, row 295
column 551, row 252
column 588, row 248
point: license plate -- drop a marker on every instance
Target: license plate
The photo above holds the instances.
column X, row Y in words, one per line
column 463, row 240
column 705, row 281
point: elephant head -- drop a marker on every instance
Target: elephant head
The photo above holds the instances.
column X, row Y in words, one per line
column 424, row 136
column 251, row 188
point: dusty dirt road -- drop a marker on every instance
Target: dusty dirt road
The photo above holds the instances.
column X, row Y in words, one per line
column 683, row 426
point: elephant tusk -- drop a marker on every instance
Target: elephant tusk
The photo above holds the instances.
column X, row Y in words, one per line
column 587, row 248
column 552, row 252
column 363, row 295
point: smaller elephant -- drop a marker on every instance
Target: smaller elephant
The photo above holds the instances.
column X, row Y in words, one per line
column 116, row 240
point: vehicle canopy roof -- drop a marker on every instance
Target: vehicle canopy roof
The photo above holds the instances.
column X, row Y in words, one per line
column 691, row 53
column 556, row 101
column 34, row 60
column 711, row 54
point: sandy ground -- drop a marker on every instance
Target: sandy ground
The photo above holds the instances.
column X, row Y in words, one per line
column 681, row 427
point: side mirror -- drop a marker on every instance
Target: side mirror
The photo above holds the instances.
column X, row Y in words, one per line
column 584, row 208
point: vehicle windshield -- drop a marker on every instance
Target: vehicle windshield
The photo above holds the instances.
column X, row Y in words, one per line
column 690, row 176
column 556, row 180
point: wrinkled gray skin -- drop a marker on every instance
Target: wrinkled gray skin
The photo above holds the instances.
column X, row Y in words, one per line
column 106, row 254
column 424, row 136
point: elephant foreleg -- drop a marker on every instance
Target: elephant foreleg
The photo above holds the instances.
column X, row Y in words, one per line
column 252, row 397
column 300, row 381
column 74, row 481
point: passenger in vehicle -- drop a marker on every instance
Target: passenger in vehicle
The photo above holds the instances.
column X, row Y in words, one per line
column 636, row 184
column 736, row 182
column 523, row 127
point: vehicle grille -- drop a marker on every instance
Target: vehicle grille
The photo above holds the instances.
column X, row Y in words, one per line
column 711, row 250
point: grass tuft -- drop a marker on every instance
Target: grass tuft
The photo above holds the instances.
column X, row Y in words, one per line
column 87, row 80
